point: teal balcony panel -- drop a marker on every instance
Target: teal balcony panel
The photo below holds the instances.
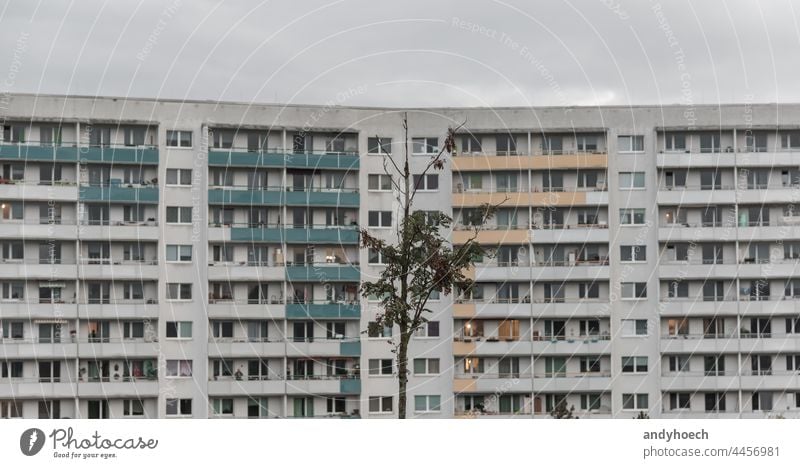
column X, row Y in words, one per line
column 239, row 158
column 323, row 273
column 350, row 348
column 323, row 161
column 119, row 155
column 350, row 386
column 327, row 235
column 334, row 199
column 245, row 197
column 273, row 235
column 39, row 153
column 248, row 159
column 120, row 194
column 343, row 311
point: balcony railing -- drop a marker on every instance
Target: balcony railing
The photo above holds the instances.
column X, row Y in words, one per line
column 539, row 152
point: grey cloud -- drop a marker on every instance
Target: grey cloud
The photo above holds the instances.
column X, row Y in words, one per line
column 411, row 53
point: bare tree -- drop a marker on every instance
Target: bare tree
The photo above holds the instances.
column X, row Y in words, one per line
column 421, row 261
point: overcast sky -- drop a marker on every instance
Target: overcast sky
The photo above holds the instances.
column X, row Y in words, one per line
column 407, row 52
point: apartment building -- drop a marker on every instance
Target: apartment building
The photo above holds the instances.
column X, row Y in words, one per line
column 169, row 259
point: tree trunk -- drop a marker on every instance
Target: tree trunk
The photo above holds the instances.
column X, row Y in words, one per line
column 402, row 375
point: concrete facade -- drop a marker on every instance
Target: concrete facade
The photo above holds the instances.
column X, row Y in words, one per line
column 200, row 259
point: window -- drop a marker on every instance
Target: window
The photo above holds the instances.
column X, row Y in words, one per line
column 11, row 369
column 631, row 180
column 762, row 401
column 10, row 409
column 222, row 329
column 379, row 145
column 380, row 404
column 133, row 330
column 634, row 401
column 590, row 364
column 179, row 253
column 630, row 143
column 11, row 330
column 380, row 182
column 591, row 401
column 634, row 327
column 132, row 408
column 634, row 290
column 336, row 405
column 428, row 330
column 715, row 402
column 426, row 366
column 425, row 145
column 179, row 368
column 179, row 177
column 14, row 290
column 179, row 291
column 375, row 257
column 222, row 406
column 49, row 409
column 675, row 142
column 179, row 406
column 631, row 364
column 679, row 363
column 633, row 253
column 380, row 219
column 793, row 362
column 680, row 401
column 375, row 330
column 427, row 403
column 427, row 182
column 179, row 214
column 380, row 367
column 179, row 330
column 179, row 138
column 257, row 408
column 631, row 216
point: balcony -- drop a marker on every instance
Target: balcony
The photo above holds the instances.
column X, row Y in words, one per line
column 116, row 387
column 247, row 309
column 120, row 309
column 323, row 272
column 539, row 307
column 117, row 230
column 244, row 347
column 119, row 194
column 36, row 349
column 34, row 308
column 697, row 381
column 242, row 196
column 144, row 155
column 318, row 234
column 39, row 228
column 323, row 385
column 699, row 344
column 592, row 197
column 277, row 158
column 573, row 234
column 35, row 269
column 685, row 159
column 34, row 190
column 33, row 388
column 119, row 269
column 595, row 269
column 577, row 160
column 33, row 152
column 110, row 348
column 244, row 271
column 491, row 235
column 246, row 387
column 320, row 347
column 491, row 346
column 349, row 198
column 697, row 195
column 324, row 310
